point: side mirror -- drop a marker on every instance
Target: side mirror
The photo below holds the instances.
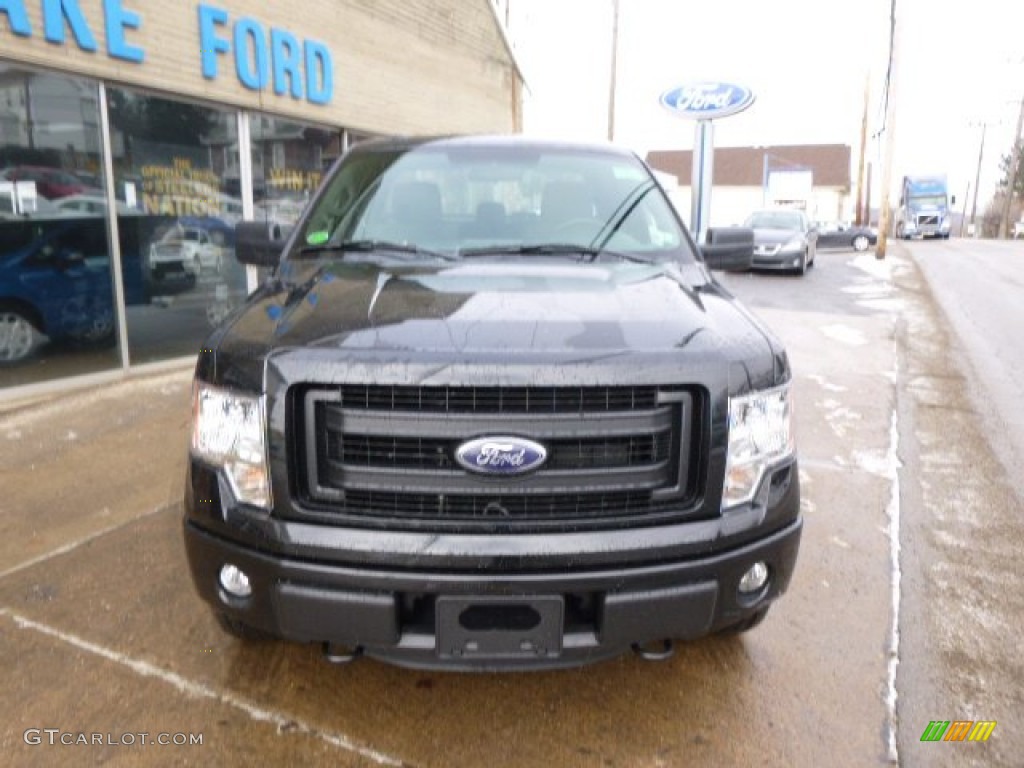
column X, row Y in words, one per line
column 729, row 248
column 69, row 259
column 259, row 243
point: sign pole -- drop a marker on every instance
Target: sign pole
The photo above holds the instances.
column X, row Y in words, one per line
column 703, row 102
column 700, row 183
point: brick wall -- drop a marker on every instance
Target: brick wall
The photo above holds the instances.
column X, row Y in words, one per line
column 400, row 66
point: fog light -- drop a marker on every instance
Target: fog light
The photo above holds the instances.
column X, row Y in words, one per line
column 754, row 579
column 236, row 583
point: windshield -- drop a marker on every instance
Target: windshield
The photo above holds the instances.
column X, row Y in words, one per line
column 495, row 200
column 775, row 220
column 924, row 201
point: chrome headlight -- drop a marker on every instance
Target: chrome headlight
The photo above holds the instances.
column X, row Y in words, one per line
column 228, row 432
column 794, row 244
column 760, row 436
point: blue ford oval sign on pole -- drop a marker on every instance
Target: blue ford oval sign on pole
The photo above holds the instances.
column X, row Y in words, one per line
column 704, row 101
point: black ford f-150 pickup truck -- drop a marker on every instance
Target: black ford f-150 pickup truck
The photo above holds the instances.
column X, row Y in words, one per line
column 491, row 411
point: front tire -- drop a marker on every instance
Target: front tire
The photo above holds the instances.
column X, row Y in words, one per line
column 860, row 243
column 240, row 630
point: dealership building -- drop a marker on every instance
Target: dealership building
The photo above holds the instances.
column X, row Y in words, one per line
column 134, row 135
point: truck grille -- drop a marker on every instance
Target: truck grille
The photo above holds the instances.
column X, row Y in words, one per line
column 429, row 453
column 384, row 456
column 538, row 400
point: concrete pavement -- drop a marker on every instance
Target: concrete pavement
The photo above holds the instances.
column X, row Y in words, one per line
column 103, row 635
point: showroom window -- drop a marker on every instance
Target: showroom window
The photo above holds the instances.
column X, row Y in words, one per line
column 57, row 308
column 289, row 160
column 177, row 197
column 177, row 186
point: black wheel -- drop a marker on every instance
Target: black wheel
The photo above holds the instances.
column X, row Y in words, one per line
column 860, row 243
column 801, row 270
column 240, row 629
column 746, row 624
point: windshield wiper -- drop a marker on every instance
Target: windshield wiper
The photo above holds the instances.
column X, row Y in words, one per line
column 584, row 252
column 368, row 246
column 623, row 212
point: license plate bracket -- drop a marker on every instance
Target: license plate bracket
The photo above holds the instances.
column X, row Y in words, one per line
column 499, row 627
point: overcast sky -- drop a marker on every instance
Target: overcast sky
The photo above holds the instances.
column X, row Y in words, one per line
column 805, row 60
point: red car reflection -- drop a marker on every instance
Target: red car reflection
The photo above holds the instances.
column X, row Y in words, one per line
column 51, row 183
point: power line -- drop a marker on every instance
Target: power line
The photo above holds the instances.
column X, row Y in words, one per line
column 888, row 71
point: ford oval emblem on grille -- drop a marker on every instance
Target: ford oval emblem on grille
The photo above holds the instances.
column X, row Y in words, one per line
column 501, row 455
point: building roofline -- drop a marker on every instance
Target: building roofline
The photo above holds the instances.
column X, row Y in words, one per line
column 506, row 40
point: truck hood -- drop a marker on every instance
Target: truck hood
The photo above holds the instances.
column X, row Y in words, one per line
column 521, row 319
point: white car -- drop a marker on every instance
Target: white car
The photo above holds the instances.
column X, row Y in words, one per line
column 93, row 205
column 190, row 248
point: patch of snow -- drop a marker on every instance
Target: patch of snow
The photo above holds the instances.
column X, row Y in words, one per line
column 822, row 382
column 841, row 419
column 844, row 334
column 892, row 465
column 881, row 269
column 874, row 463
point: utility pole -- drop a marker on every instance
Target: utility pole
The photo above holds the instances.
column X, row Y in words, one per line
column 860, row 217
column 890, row 133
column 1011, row 176
column 867, row 198
column 963, row 215
column 977, row 180
column 615, row 63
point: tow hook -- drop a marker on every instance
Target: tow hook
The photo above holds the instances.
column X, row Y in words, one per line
column 655, row 654
column 341, row 654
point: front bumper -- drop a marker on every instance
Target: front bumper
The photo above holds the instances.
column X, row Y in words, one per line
column 404, row 616
column 783, row 260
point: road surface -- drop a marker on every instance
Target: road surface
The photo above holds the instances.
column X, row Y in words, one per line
column 104, row 638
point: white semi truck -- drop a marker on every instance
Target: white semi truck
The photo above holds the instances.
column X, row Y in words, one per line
column 925, row 208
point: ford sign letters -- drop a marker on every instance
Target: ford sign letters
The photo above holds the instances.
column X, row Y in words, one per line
column 707, row 100
column 501, row 455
